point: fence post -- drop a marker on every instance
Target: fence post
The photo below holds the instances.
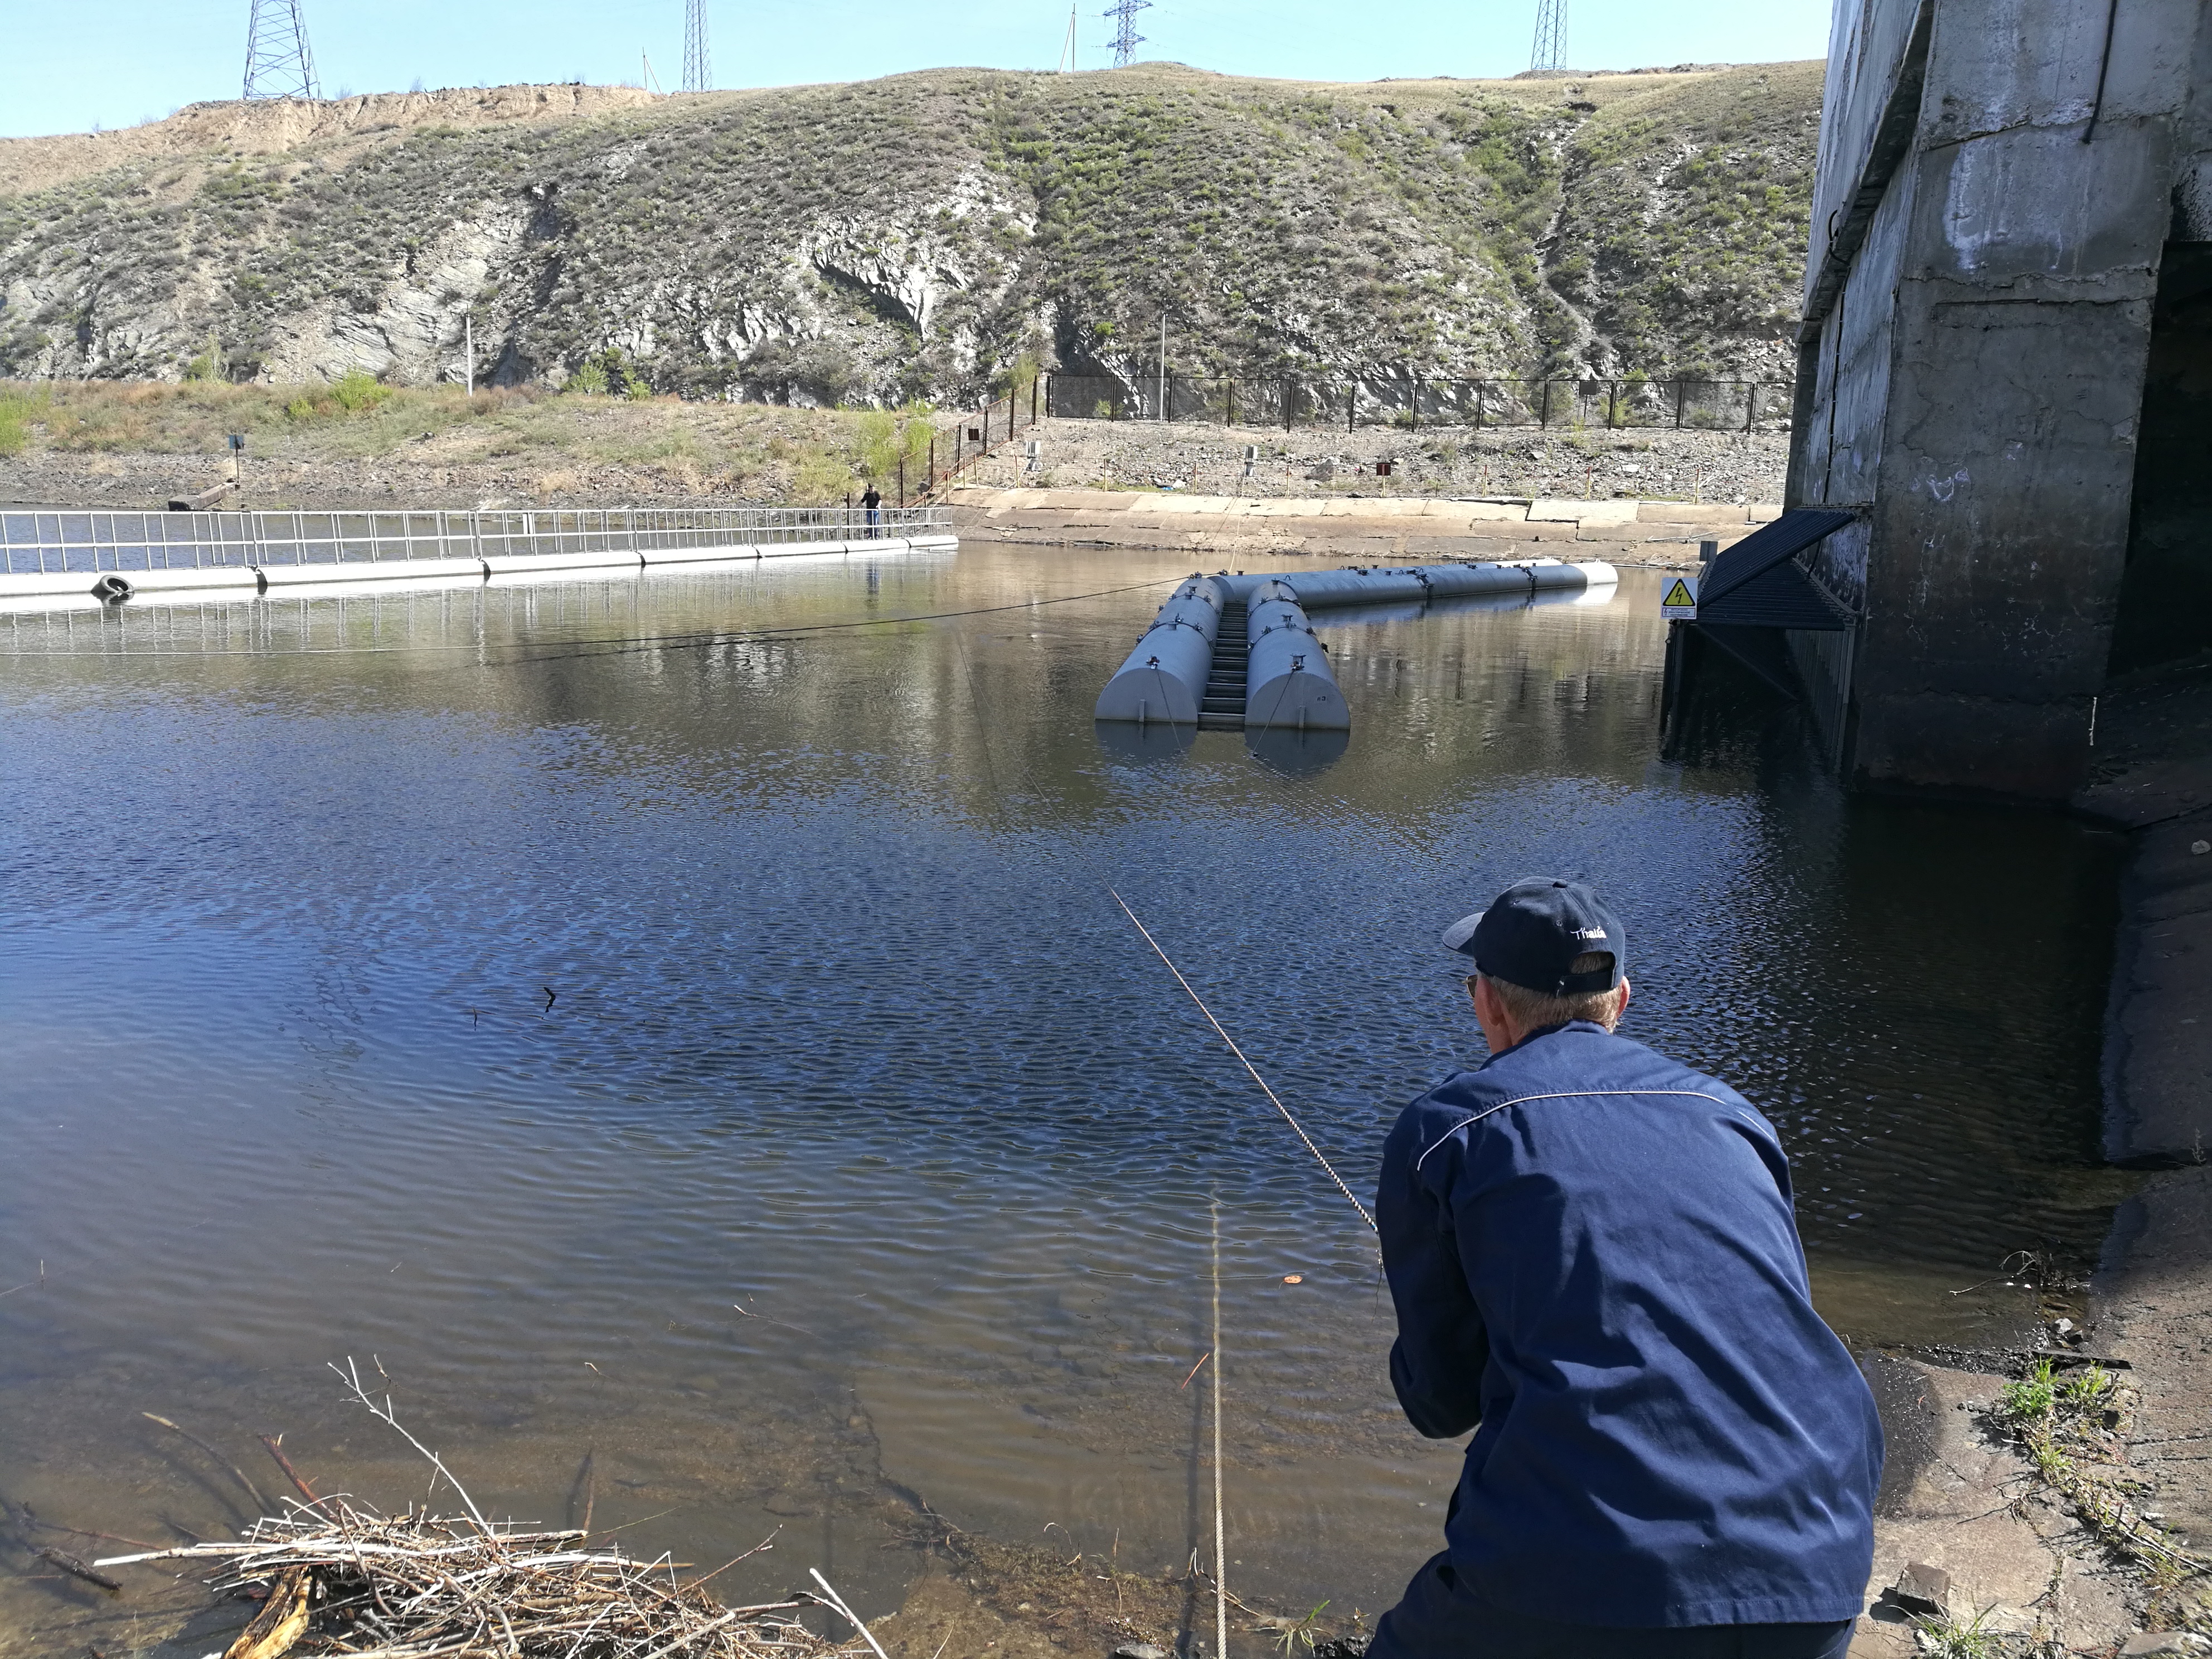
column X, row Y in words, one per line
column 1679, row 384
column 1544, row 420
column 930, row 489
column 1228, row 403
column 901, row 478
column 1035, row 380
column 1611, row 405
column 1750, row 405
column 1478, row 405
column 1414, row 410
column 1351, row 407
column 1286, row 403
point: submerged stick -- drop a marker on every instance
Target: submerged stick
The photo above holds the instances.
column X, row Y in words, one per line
column 276, row 1450
column 851, row 1617
column 1220, row 1554
column 262, row 1505
column 75, row 1569
column 585, row 1486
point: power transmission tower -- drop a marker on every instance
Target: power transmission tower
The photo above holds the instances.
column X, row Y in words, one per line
column 698, row 74
column 1551, row 50
column 278, row 62
column 1126, row 38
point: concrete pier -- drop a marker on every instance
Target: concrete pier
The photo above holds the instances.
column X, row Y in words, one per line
column 2011, row 256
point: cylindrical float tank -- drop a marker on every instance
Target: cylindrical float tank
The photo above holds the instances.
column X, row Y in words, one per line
column 1165, row 677
column 1319, row 590
column 1287, row 678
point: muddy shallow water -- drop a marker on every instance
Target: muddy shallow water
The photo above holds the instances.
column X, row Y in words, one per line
column 863, row 1153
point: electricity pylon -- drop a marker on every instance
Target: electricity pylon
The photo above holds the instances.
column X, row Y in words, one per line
column 1123, row 14
column 698, row 74
column 1551, row 48
column 278, row 62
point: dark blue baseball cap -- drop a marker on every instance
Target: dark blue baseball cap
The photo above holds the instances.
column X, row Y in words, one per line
column 1533, row 931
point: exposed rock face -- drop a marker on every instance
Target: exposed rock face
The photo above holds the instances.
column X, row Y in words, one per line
column 915, row 236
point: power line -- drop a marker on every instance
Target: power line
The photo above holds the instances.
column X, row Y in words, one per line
column 1551, row 48
column 698, row 72
column 1123, row 15
column 278, row 62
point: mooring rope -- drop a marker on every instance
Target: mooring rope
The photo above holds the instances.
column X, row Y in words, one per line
column 1222, row 1034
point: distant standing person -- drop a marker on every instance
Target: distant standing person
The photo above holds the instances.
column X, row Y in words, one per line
column 873, row 501
column 1596, row 1268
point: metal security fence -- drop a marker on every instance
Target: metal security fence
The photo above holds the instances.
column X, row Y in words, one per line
column 33, row 542
column 1417, row 401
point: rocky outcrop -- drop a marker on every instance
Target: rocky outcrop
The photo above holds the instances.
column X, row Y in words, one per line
column 918, row 236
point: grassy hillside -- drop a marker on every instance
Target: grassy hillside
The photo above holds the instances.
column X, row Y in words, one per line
column 918, row 236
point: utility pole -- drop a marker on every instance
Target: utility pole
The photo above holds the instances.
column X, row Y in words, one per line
column 278, row 62
column 1123, row 15
column 1164, row 365
column 650, row 82
column 1067, row 51
column 1550, row 51
column 698, row 73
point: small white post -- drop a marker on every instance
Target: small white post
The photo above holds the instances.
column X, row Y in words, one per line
column 469, row 352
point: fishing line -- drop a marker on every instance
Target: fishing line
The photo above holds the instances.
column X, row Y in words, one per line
column 1239, row 1053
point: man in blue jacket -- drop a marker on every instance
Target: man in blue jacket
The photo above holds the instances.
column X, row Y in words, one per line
column 1596, row 1268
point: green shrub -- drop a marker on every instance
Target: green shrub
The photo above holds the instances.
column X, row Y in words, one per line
column 358, row 390
column 590, row 380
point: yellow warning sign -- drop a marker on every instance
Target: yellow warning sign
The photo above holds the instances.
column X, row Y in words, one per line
column 1679, row 602
column 1678, row 594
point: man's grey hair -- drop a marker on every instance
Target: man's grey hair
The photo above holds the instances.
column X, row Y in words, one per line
column 1531, row 1011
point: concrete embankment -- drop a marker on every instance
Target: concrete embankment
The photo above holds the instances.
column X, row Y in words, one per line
column 1356, row 529
column 2154, row 1292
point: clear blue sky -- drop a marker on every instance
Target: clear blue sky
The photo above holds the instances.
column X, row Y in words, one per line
column 113, row 63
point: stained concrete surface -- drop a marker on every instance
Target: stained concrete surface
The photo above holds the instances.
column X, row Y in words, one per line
column 1356, row 529
column 1956, row 1497
column 2153, row 1294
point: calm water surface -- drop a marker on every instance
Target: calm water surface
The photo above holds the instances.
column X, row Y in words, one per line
column 863, row 1149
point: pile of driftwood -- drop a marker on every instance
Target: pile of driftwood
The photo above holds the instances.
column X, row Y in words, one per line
column 336, row 1576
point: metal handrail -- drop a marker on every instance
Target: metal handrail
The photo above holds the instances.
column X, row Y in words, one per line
column 49, row 540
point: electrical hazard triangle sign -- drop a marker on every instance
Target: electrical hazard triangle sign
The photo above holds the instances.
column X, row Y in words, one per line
column 1679, row 602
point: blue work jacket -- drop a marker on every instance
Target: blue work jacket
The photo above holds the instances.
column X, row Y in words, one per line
column 1596, row 1268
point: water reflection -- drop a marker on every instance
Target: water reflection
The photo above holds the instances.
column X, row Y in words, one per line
column 862, row 1146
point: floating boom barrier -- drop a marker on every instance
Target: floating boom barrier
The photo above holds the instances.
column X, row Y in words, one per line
column 1288, row 682
column 53, row 558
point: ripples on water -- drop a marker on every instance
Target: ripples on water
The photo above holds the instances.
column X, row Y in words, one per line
column 863, row 1142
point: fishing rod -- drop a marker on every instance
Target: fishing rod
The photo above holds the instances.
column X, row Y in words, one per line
column 1219, row 1031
